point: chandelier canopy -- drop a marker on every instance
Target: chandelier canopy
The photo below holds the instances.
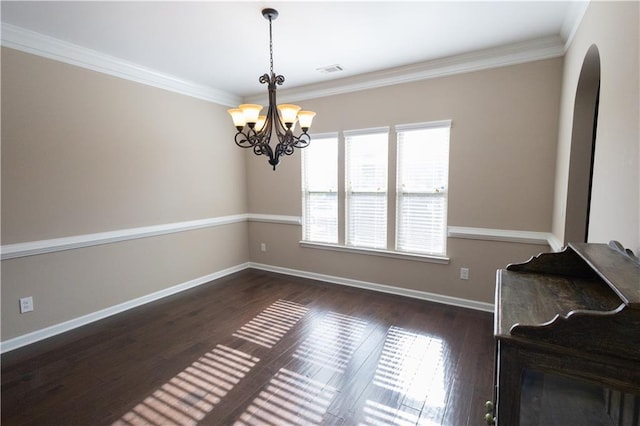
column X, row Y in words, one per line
column 255, row 130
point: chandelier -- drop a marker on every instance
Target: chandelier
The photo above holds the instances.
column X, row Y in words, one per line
column 255, row 130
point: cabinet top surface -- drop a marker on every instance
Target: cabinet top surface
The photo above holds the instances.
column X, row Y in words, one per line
column 531, row 299
column 591, row 279
column 619, row 271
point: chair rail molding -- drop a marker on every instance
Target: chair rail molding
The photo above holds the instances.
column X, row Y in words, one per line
column 31, row 248
column 505, row 235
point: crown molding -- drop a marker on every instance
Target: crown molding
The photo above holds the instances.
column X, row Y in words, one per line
column 577, row 9
column 45, row 46
column 511, row 54
column 38, row 44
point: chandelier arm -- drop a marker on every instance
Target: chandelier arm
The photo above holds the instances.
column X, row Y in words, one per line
column 243, row 140
column 273, row 117
column 261, row 146
column 260, row 141
column 302, row 141
column 273, row 127
column 262, row 149
column 286, row 149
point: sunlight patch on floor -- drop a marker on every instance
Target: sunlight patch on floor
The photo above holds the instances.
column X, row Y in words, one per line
column 270, row 325
column 289, row 399
column 412, row 367
column 189, row 396
column 376, row 414
column 332, row 341
column 413, row 364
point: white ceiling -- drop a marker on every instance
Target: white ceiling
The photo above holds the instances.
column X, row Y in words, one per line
column 225, row 45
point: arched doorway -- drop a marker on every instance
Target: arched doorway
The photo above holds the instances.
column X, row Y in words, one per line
column 582, row 154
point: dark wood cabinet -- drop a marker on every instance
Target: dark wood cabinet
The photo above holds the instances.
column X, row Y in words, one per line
column 573, row 318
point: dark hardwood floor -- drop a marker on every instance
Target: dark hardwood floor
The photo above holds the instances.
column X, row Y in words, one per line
column 257, row 348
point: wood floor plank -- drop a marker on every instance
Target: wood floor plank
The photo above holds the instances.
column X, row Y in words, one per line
column 259, row 348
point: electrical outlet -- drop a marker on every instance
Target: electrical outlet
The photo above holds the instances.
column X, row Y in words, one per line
column 26, row 304
column 263, row 247
column 464, row 273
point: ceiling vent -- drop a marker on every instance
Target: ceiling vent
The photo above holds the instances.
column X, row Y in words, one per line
column 330, row 69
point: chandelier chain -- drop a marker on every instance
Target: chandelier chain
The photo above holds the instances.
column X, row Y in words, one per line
column 270, row 46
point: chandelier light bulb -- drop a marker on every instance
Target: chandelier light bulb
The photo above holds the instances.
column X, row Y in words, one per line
column 238, row 118
column 305, row 118
column 251, row 112
column 262, row 119
column 288, row 113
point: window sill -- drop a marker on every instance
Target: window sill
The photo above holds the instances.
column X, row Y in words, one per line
column 429, row 258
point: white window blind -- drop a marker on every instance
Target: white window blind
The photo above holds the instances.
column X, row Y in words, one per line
column 366, row 188
column 422, row 183
column 320, row 189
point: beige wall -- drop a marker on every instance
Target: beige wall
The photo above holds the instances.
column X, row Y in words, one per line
column 482, row 258
column 502, row 162
column 615, row 206
column 83, row 153
column 503, row 141
column 69, row 284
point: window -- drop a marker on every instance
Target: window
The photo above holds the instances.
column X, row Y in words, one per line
column 320, row 189
column 393, row 202
column 366, row 188
column 422, row 180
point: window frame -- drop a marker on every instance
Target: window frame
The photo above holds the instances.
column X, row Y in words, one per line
column 440, row 192
column 333, row 189
column 379, row 190
column 390, row 250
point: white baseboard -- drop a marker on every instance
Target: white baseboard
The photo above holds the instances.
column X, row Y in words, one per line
column 27, row 339
column 382, row 288
column 38, row 335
